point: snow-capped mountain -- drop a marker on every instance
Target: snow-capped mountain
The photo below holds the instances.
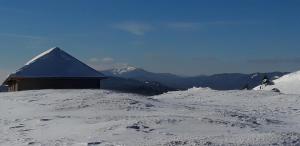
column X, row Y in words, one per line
column 125, row 78
column 139, row 74
column 122, row 69
column 228, row 81
column 289, row 84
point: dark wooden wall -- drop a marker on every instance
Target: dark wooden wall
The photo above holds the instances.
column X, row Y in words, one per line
column 55, row 83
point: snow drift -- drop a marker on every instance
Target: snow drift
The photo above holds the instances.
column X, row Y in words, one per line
column 198, row 116
column 289, row 84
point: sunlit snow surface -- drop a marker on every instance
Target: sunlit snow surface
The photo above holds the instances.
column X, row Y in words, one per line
column 193, row 117
column 288, row 84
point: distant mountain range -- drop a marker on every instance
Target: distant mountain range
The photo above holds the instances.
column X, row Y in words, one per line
column 134, row 86
column 227, row 81
column 136, row 80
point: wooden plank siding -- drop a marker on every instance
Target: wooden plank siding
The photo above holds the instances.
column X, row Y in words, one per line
column 21, row 84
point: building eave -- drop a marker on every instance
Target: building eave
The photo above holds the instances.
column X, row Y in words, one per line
column 13, row 78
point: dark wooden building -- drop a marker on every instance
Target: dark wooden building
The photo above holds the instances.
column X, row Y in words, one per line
column 54, row 69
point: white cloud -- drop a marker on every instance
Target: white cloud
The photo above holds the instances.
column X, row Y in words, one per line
column 140, row 29
column 93, row 60
column 135, row 28
column 103, row 60
column 184, row 25
column 108, row 59
column 102, row 63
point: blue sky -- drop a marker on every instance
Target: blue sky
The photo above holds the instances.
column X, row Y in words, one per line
column 186, row 37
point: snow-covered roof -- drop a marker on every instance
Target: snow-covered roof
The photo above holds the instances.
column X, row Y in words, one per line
column 56, row 63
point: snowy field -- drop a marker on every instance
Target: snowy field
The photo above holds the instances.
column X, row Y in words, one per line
column 193, row 117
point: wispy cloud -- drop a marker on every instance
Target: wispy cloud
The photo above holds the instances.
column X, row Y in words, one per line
column 102, row 63
column 97, row 60
column 295, row 60
column 139, row 29
column 10, row 9
column 183, row 25
column 23, row 36
column 108, row 59
column 135, row 28
column 93, row 60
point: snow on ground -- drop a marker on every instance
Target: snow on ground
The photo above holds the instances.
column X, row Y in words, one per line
column 289, row 84
column 193, row 117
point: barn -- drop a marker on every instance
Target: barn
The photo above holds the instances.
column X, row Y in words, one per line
column 54, row 69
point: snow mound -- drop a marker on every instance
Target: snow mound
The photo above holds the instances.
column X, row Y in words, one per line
column 289, row 84
column 193, row 117
column 195, row 89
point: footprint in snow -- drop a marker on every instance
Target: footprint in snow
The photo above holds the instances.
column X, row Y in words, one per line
column 94, row 143
column 16, row 127
column 140, row 127
column 45, row 120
